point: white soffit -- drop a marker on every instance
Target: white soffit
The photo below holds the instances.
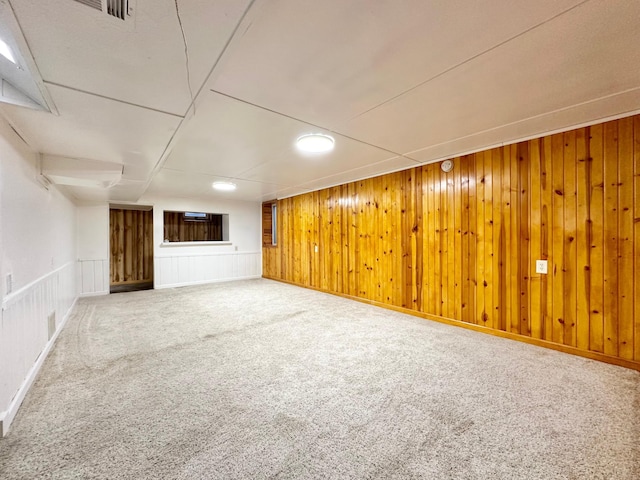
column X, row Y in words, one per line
column 80, row 172
column 96, row 128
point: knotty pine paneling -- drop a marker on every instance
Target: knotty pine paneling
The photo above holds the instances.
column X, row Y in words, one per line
column 131, row 245
column 462, row 245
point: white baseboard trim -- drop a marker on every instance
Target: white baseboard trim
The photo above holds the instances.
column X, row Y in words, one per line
column 7, row 417
column 204, row 282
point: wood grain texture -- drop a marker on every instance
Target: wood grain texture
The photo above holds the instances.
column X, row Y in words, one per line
column 611, row 219
column 131, row 246
column 537, row 319
column 583, row 238
column 462, row 245
column 636, row 236
column 546, row 239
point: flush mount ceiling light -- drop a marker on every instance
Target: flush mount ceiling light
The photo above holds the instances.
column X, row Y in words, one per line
column 224, row 186
column 315, row 143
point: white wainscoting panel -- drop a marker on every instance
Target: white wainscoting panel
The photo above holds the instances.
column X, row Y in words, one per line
column 192, row 269
column 25, row 337
column 93, row 277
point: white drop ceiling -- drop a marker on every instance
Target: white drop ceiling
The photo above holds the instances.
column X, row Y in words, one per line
column 187, row 92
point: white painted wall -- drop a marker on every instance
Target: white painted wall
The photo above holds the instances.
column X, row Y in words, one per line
column 244, row 223
column 175, row 265
column 194, row 264
column 38, row 225
column 93, row 249
column 38, row 249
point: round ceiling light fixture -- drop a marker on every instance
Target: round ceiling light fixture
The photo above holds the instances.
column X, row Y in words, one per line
column 224, row 186
column 315, row 143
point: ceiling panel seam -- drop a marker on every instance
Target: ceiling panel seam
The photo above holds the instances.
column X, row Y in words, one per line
column 222, row 52
column 93, row 94
column 186, row 54
column 396, row 154
column 470, row 59
column 536, row 135
column 235, row 177
column 167, row 149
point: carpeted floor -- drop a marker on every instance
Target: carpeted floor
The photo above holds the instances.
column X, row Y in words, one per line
column 258, row 379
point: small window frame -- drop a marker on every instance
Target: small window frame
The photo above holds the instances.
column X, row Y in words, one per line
column 192, row 218
column 269, row 222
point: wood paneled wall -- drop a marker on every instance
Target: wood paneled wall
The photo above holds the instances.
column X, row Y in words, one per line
column 131, row 245
column 462, row 245
column 177, row 229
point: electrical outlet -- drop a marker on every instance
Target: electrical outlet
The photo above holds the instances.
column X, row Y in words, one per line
column 9, row 283
column 541, row 266
column 315, row 248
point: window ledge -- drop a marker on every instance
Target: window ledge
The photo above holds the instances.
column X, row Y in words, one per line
column 193, row 244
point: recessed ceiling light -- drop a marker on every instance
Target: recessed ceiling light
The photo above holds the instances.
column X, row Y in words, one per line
column 224, row 186
column 6, row 52
column 315, row 143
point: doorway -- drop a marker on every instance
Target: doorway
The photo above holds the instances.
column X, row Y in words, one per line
column 131, row 247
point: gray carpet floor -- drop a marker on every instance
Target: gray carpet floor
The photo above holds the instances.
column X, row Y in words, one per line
column 258, row 379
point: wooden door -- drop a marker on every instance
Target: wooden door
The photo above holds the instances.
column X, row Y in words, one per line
column 131, row 234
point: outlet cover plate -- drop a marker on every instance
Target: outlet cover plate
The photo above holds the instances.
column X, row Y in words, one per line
column 541, row 266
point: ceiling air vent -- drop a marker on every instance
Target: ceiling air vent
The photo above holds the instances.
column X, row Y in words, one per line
column 119, row 9
column 97, row 4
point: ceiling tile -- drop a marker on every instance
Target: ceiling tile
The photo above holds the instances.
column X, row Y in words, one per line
column 178, row 184
column 367, row 171
column 325, row 62
column 141, row 60
column 94, row 128
column 227, row 137
column 561, row 120
column 527, row 77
